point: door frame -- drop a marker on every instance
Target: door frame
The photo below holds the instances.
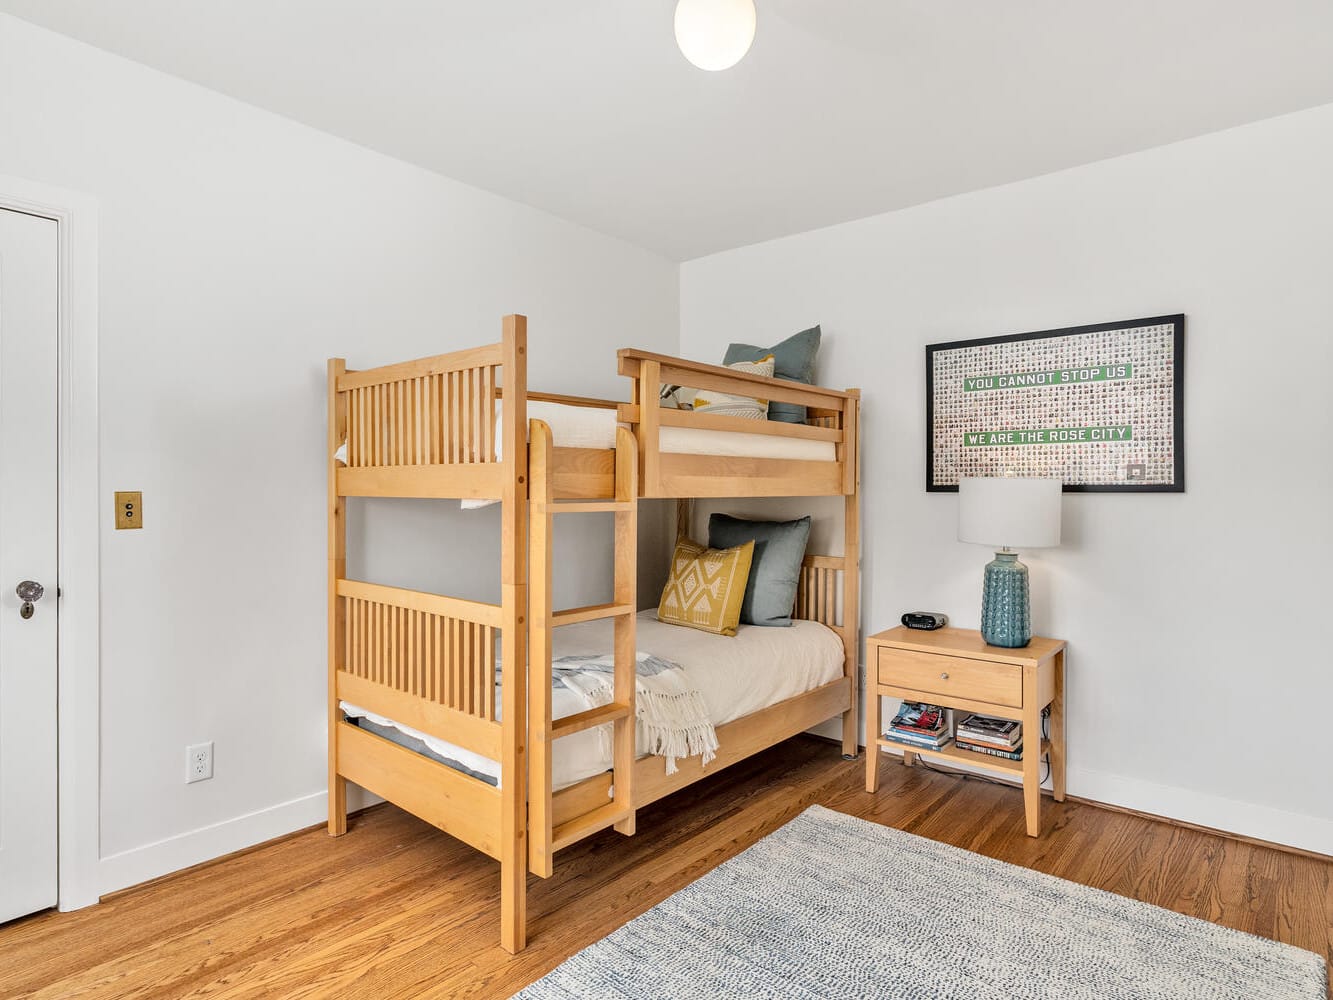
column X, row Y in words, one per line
column 78, row 587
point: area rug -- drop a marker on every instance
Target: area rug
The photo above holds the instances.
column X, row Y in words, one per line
column 831, row 906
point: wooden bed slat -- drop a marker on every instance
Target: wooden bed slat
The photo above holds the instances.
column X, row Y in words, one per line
column 460, row 805
column 699, row 375
column 736, row 740
column 593, row 612
column 668, row 417
column 460, row 727
column 725, row 476
column 472, row 357
column 436, row 604
column 441, row 482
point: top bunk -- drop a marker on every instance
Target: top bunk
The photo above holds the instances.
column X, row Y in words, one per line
column 457, row 426
column 687, row 453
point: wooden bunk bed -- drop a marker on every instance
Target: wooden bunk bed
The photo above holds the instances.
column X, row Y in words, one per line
column 456, row 426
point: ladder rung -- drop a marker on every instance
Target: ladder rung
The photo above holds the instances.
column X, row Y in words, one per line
column 587, row 824
column 586, row 720
column 586, row 507
column 592, row 612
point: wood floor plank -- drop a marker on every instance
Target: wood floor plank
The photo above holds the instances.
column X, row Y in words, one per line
column 395, row 910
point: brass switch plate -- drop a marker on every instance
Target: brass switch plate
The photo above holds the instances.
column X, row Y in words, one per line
column 129, row 510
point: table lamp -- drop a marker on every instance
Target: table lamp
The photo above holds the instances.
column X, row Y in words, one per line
column 1008, row 513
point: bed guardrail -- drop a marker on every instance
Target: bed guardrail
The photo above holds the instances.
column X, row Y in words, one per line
column 832, row 417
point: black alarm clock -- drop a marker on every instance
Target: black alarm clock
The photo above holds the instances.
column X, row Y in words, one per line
column 928, row 620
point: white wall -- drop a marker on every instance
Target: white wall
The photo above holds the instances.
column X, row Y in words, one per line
column 1178, row 703
column 239, row 251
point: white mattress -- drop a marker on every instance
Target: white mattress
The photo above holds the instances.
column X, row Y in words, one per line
column 736, row 676
column 595, row 427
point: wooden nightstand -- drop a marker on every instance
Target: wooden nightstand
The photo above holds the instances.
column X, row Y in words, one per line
column 954, row 668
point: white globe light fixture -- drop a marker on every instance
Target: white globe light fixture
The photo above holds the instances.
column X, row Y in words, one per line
column 714, row 34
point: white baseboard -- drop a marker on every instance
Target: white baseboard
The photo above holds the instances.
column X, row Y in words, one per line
column 1242, row 819
column 1310, row 833
column 139, row 864
column 1246, row 819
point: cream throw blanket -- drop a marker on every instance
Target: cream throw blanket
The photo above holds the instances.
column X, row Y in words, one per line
column 672, row 720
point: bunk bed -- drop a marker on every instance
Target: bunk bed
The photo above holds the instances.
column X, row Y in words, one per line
column 458, row 425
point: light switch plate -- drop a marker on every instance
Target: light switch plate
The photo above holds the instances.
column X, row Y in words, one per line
column 129, row 510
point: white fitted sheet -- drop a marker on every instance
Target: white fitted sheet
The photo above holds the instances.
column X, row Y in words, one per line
column 736, row 676
column 595, row 427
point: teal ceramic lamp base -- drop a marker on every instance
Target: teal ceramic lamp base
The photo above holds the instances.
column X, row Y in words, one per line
column 1005, row 616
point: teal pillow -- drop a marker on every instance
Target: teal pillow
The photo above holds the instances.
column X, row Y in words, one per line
column 795, row 359
column 775, row 567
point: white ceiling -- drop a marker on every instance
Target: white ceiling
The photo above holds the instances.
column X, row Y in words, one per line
column 843, row 108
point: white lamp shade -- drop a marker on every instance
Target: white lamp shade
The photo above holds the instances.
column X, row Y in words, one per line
column 1009, row 512
column 715, row 34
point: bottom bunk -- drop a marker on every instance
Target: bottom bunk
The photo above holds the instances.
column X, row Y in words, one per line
column 735, row 676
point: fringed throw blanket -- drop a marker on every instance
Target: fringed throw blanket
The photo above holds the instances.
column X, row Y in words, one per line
column 672, row 719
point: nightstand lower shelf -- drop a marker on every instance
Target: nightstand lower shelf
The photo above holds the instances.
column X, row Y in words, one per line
column 957, row 755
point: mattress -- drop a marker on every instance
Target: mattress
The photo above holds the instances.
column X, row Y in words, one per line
column 595, row 427
column 736, row 676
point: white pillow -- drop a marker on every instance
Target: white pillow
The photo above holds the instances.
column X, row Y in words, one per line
column 727, row 405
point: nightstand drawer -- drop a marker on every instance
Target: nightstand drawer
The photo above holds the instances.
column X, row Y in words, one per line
column 937, row 674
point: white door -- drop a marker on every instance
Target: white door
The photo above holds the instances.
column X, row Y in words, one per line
column 28, row 407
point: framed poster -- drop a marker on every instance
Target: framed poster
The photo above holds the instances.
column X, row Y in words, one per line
column 1101, row 407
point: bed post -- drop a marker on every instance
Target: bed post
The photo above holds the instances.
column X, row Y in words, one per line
column 540, row 823
column 337, row 571
column 514, row 608
column 646, row 394
column 851, row 573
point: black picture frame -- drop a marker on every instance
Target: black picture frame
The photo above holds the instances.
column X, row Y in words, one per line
column 1176, row 480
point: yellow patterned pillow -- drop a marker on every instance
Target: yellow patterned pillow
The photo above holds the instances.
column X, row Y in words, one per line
column 706, row 587
column 727, row 405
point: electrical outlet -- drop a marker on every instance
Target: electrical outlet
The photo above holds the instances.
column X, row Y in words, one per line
column 198, row 762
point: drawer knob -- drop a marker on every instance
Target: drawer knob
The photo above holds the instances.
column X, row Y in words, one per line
column 944, row 676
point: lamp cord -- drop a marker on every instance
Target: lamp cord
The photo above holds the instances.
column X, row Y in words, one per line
column 969, row 776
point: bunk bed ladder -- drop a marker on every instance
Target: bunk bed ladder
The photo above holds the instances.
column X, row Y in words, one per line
column 545, row 838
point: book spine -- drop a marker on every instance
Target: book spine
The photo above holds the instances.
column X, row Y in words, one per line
column 975, row 748
column 989, row 740
column 972, row 734
column 900, row 728
column 908, row 741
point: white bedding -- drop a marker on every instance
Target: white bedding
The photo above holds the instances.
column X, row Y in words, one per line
column 736, row 676
column 595, row 427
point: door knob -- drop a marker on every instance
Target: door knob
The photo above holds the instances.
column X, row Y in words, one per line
column 28, row 591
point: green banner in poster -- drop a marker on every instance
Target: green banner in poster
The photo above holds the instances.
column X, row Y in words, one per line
column 1042, row 380
column 1049, row 435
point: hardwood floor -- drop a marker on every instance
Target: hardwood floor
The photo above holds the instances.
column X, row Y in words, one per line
column 396, row 909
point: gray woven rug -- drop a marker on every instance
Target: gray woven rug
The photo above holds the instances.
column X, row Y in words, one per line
column 831, row 906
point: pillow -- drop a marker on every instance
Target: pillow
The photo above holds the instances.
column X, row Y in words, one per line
column 795, row 359
column 705, row 587
column 775, row 568
column 727, row 405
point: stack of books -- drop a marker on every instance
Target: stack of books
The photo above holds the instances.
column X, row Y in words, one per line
column 997, row 737
column 919, row 725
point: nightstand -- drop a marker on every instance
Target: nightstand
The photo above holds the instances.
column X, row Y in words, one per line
column 954, row 668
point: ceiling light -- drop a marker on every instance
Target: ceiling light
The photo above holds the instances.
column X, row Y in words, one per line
column 714, row 34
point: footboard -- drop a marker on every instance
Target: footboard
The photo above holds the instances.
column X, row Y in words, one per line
column 427, row 662
column 832, row 419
